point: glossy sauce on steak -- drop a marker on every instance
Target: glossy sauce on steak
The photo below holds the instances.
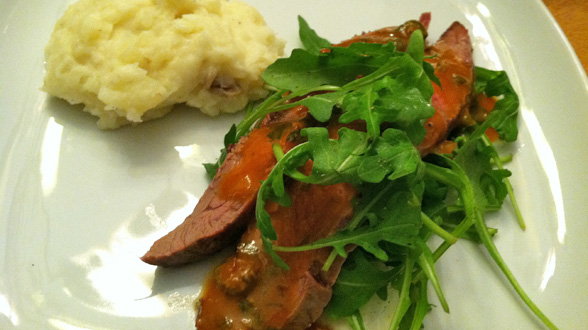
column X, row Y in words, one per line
column 249, row 291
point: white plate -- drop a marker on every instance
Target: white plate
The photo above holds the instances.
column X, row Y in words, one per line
column 80, row 205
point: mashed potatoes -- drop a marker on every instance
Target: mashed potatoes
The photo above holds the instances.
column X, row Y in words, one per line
column 130, row 61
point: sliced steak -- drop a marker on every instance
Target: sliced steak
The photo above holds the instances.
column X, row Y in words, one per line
column 224, row 210
column 267, row 296
column 454, row 67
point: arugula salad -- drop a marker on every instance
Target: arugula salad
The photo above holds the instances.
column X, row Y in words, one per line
column 404, row 199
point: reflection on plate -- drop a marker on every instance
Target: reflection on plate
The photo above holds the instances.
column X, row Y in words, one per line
column 79, row 205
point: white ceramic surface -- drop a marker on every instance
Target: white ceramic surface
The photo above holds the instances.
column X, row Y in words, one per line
column 80, row 205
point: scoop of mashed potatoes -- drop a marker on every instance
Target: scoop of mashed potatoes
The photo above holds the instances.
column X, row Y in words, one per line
column 131, row 61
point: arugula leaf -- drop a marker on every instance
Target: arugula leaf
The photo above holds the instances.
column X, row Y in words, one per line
column 415, row 49
column 304, row 69
column 352, row 158
column 504, row 115
column 335, row 161
column 498, row 162
column 388, row 100
column 489, row 188
column 401, row 67
column 430, row 72
column 310, row 39
column 392, row 155
column 359, row 278
column 416, row 45
column 321, row 106
column 273, row 188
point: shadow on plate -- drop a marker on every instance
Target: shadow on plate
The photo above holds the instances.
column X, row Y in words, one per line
column 151, row 143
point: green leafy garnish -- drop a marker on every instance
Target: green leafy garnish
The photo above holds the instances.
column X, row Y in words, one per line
column 504, row 116
column 310, row 39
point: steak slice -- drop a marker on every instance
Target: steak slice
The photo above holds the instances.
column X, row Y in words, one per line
column 294, row 299
column 397, row 34
column 223, row 211
column 454, row 66
column 260, row 294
